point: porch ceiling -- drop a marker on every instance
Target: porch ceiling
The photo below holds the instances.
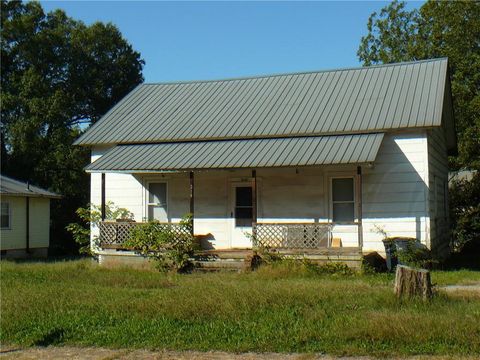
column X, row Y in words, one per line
column 234, row 154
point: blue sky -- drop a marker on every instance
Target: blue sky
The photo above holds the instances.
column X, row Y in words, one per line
column 212, row 40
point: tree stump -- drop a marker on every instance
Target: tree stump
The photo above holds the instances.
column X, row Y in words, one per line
column 412, row 283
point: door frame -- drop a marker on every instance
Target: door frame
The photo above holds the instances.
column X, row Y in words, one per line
column 232, row 229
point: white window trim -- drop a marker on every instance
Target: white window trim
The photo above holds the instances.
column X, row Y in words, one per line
column 330, row 191
column 9, row 227
column 147, row 196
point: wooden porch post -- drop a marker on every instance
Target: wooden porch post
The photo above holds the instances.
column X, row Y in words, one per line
column 359, row 209
column 254, row 201
column 192, row 198
column 27, row 225
column 102, row 208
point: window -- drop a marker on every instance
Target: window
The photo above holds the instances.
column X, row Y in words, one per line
column 6, row 216
column 243, row 206
column 343, row 200
column 157, row 202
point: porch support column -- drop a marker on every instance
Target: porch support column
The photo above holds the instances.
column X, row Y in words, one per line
column 359, row 208
column 254, row 201
column 192, row 198
column 27, row 225
column 102, row 206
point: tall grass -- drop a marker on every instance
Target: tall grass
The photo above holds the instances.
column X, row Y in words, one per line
column 285, row 308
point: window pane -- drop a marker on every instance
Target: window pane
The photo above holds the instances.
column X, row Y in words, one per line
column 157, row 193
column 5, row 221
column 157, row 213
column 342, row 189
column 343, row 212
column 243, row 196
column 243, row 216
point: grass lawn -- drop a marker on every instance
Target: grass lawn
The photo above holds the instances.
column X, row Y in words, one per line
column 279, row 309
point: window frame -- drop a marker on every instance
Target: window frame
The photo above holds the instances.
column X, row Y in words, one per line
column 9, row 227
column 147, row 198
column 354, row 201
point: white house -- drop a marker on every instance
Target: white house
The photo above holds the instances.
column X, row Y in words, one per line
column 25, row 219
column 302, row 160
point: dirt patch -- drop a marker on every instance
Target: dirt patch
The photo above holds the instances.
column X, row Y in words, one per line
column 90, row 353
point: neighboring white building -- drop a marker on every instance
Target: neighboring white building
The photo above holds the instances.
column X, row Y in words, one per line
column 306, row 160
column 25, row 219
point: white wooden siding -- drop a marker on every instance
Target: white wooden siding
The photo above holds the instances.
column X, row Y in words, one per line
column 15, row 237
column 395, row 190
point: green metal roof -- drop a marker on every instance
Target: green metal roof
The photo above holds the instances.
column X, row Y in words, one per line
column 12, row 187
column 360, row 100
column 250, row 153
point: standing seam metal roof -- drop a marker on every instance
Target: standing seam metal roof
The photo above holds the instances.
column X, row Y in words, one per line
column 9, row 186
column 368, row 99
column 251, row 153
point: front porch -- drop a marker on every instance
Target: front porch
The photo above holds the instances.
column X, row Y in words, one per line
column 290, row 240
column 269, row 236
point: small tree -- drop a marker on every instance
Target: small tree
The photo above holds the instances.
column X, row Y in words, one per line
column 171, row 248
column 92, row 215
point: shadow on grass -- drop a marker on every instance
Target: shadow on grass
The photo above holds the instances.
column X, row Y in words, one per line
column 54, row 337
column 48, row 260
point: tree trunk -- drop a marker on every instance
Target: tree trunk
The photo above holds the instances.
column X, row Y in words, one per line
column 411, row 283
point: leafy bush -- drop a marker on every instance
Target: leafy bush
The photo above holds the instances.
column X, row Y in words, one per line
column 169, row 248
column 92, row 215
column 415, row 256
column 465, row 212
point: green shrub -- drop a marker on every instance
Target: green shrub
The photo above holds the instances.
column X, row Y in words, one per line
column 169, row 248
column 92, row 215
column 415, row 256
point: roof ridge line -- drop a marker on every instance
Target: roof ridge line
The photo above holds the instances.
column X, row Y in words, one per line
column 249, row 77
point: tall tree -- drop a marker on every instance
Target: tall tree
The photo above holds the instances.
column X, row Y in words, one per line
column 438, row 29
column 58, row 76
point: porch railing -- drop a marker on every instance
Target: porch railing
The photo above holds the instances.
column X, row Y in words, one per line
column 115, row 234
column 292, row 236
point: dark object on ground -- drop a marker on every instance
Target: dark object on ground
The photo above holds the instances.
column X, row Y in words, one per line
column 375, row 261
column 411, row 283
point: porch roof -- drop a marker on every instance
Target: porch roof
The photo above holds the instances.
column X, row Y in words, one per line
column 247, row 153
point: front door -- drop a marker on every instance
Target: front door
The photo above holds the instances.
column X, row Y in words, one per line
column 241, row 215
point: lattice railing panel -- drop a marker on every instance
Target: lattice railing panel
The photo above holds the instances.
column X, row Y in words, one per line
column 292, row 236
column 117, row 233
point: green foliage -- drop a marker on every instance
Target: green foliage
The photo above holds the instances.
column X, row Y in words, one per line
column 335, row 268
column 169, row 248
column 237, row 312
column 59, row 75
column 302, row 264
column 92, row 215
column 438, row 29
column 465, row 212
column 415, row 256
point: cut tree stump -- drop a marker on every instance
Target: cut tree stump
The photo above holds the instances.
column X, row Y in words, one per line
column 411, row 283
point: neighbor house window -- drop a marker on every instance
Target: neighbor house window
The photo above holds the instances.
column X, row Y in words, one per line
column 343, row 200
column 157, row 202
column 6, row 217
